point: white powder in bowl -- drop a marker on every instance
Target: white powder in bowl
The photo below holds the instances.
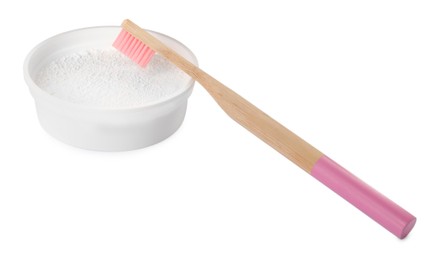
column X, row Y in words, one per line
column 107, row 78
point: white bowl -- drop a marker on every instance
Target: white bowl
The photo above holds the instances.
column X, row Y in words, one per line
column 96, row 128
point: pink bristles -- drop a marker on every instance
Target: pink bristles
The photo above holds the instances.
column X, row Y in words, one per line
column 132, row 47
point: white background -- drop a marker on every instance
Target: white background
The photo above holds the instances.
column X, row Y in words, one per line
column 353, row 78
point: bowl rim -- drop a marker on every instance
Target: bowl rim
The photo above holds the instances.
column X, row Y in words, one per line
column 35, row 90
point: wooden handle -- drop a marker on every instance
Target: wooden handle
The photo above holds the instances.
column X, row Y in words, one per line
column 246, row 114
column 260, row 124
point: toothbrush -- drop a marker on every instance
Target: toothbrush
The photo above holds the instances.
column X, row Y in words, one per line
column 140, row 46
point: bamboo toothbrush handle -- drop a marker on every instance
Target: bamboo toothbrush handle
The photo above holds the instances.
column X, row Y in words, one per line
column 388, row 214
column 260, row 124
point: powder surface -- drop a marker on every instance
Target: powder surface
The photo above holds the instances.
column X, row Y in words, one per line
column 107, row 78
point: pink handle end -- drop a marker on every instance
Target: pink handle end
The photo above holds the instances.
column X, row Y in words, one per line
column 378, row 207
